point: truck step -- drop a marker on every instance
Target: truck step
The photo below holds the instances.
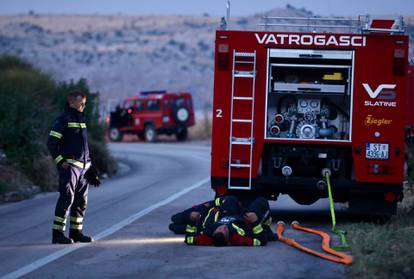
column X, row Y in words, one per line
column 243, row 62
column 239, row 187
column 241, row 141
column 240, row 165
column 245, row 54
column 243, row 120
column 244, row 74
column 243, row 98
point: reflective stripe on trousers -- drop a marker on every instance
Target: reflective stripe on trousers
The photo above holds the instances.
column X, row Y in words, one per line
column 76, row 223
column 59, row 224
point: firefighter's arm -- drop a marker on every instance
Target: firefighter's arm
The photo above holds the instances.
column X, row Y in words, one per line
column 238, row 236
column 193, row 236
column 212, row 203
column 201, row 239
column 243, row 240
column 55, row 139
column 200, row 210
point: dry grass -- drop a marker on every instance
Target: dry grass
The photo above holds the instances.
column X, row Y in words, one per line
column 385, row 251
column 14, row 185
column 10, row 177
column 202, row 129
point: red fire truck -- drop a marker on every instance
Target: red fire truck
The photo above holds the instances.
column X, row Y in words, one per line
column 289, row 104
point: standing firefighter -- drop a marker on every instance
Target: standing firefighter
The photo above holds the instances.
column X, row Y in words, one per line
column 68, row 145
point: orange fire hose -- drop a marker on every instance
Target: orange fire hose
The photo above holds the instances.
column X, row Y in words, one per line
column 326, row 239
column 290, row 241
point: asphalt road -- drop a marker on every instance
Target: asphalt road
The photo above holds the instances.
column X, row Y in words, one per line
column 129, row 217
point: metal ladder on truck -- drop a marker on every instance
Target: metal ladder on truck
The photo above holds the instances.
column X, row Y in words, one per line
column 245, row 60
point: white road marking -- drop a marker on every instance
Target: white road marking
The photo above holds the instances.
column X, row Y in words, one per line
column 52, row 257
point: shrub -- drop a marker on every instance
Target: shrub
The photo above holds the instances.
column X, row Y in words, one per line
column 101, row 158
column 29, row 102
column 25, row 106
column 4, row 187
column 45, row 171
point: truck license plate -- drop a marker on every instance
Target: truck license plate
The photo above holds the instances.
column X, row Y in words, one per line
column 377, row 151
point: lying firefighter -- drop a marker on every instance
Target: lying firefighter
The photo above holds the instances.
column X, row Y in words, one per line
column 225, row 222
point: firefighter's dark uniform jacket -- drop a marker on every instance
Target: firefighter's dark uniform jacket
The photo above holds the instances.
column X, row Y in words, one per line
column 68, row 142
column 227, row 213
column 68, row 139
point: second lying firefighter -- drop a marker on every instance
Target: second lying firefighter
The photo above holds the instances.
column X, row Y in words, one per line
column 224, row 222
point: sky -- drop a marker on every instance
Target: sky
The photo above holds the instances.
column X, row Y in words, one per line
column 211, row 7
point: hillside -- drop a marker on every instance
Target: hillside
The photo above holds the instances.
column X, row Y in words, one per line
column 122, row 55
column 118, row 55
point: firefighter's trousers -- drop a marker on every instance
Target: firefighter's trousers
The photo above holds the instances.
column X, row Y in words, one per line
column 73, row 190
column 260, row 206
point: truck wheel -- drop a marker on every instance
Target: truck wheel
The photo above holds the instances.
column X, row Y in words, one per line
column 115, row 134
column 150, row 134
column 182, row 134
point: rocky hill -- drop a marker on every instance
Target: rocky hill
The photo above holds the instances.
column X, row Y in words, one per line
column 122, row 55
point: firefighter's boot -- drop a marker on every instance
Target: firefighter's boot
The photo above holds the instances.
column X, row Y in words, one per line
column 182, row 218
column 177, row 229
column 78, row 236
column 271, row 236
column 58, row 237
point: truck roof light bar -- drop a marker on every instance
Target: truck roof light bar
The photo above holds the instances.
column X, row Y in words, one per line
column 313, row 18
column 307, row 25
column 385, row 30
column 360, row 25
column 311, row 22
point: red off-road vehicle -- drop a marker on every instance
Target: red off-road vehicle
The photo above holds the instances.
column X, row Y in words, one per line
column 153, row 113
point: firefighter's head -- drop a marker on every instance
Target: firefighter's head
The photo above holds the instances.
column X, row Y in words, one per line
column 77, row 100
column 221, row 235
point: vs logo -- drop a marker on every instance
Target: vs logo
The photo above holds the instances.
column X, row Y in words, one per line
column 384, row 95
column 379, row 93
